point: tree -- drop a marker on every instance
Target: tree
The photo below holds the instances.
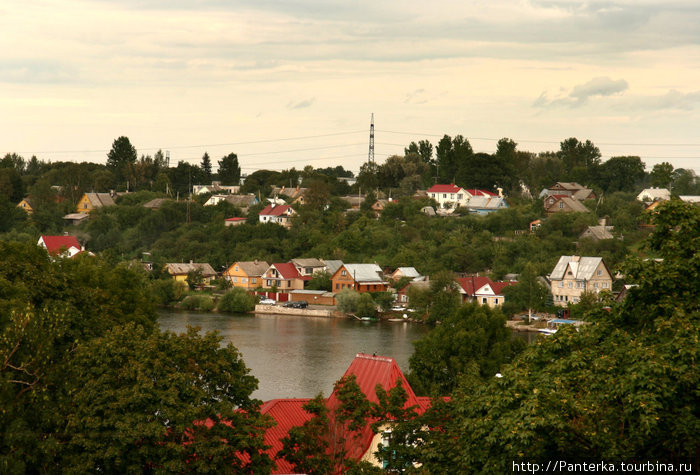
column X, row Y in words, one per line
column 527, row 294
column 121, row 159
column 366, row 308
column 661, row 175
column 444, row 297
column 237, row 300
column 472, row 341
column 206, row 166
column 229, row 170
column 621, row 388
column 621, row 174
column 347, row 300
column 320, row 281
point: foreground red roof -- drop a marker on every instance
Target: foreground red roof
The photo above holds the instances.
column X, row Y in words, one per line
column 287, row 270
column 471, row 284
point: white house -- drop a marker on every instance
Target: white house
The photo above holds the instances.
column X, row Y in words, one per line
column 449, row 196
column 279, row 214
column 654, row 194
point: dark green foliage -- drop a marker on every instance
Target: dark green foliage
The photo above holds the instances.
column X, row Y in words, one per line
column 471, row 341
column 366, row 308
column 320, row 281
column 237, row 300
column 229, row 170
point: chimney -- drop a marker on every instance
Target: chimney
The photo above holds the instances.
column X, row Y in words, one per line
column 575, row 258
column 602, row 221
column 500, row 192
column 111, row 193
column 191, row 261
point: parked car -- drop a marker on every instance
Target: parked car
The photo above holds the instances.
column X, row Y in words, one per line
column 398, row 308
column 268, row 301
column 296, row 304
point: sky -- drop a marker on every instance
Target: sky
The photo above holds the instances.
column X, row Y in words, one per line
column 292, row 83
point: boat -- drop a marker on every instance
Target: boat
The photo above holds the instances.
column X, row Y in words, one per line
column 553, row 325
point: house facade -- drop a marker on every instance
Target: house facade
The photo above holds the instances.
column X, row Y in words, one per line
column 246, row 274
column 309, row 266
column 360, row 277
column 91, row 201
column 60, row 246
column 179, row 271
column 284, row 277
column 449, row 196
column 482, row 290
column 563, row 204
column 575, row 275
column 278, row 214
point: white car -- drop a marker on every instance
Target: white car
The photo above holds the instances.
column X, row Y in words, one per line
column 398, row 309
column 268, row 302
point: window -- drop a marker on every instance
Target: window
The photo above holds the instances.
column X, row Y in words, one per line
column 484, row 300
column 289, row 283
column 561, row 205
column 571, row 285
column 600, row 272
column 452, row 196
column 605, row 285
column 269, row 282
column 495, row 301
column 235, row 279
column 337, row 286
column 343, row 273
column 235, row 269
column 243, row 280
column 561, row 284
column 254, row 280
column 459, row 196
column 595, row 285
column 444, row 195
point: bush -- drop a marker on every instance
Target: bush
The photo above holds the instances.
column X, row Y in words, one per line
column 347, row 300
column 237, row 300
column 366, row 308
column 203, row 303
column 163, row 291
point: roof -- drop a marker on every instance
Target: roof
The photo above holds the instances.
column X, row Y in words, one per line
column 241, row 201
column 275, row 210
column 498, row 287
column 97, row 200
column 156, row 203
column 287, row 413
column 252, row 268
column 690, row 198
column 233, row 220
column 597, row 232
column 469, row 285
column 177, row 268
column 76, row 216
column 451, row 188
column 574, row 205
column 287, row 270
column 332, row 265
column 308, row 262
column 582, row 194
column 54, row 244
column 582, row 268
column 563, row 185
column 407, row 272
column 654, row 194
column 364, row 272
column 487, row 202
column 478, row 192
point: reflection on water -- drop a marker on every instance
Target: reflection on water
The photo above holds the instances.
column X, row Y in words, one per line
column 529, row 337
column 300, row 356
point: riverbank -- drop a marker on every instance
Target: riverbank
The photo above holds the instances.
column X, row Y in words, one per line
column 311, row 311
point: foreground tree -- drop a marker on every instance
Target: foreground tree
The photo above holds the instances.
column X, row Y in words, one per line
column 121, row 159
column 621, row 389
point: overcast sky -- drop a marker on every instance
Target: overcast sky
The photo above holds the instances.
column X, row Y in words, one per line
column 240, row 76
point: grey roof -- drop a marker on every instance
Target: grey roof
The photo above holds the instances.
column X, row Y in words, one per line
column 253, row 268
column 308, row 262
column 583, row 268
column 597, row 232
column 98, row 200
column 487, row 202
column 654, row 194
column 574, row 205
column 155, row 203
column 242, row 200
column 177, row 268
column 408, row 272
column 582, row 194
column 690, row 198
column 365, row 272
column 332, row 265
column 76, row 216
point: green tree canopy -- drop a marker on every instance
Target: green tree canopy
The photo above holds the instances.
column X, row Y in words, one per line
column 229, row 170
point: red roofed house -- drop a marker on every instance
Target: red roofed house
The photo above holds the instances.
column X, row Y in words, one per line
column 369, row 371
column 284, row 276
column 449, row 196
column 63, row 246
column 274, row 213
column 234, row 221
column 482, row 290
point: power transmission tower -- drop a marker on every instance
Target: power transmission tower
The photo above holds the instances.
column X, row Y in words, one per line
column 370, row 157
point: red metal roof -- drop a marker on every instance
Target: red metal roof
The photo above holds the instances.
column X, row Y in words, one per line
column 287, row 270
column 275, row 210
column 54, row 244
column 451, row 188
column 472, row 284
column 369, row 371
column 235, row 219
column 498, row 287
column 479, row 192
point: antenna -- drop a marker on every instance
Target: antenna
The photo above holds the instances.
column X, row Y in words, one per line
column 167, row 159
column 370, row 157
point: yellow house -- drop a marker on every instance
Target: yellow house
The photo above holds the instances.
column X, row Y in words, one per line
column 246, row 274
column 26, row 205
column 91, row 201
column 179, row 271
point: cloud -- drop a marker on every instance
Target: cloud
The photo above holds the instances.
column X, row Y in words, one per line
column 301, row 104
column 672, row 100
column 580, row 94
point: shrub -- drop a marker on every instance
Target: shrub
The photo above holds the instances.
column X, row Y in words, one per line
column 347, row 300
column 237, row 300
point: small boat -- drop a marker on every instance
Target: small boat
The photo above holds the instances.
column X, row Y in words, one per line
column 553, row 325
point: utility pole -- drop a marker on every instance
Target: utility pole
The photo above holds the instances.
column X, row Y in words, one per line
column 370, row 157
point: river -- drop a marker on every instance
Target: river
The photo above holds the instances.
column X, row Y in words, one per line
column 296, row 357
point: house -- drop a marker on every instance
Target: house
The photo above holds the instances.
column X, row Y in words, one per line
column 179, row 271
column 76, row 218
column 402, row 272
column 354, row 201
column 574, row 275
column 563, row 204
column 654, row 194
column 402, row 294
column 369, row 371
column 570, row 189
column 597, row 233
column 313, row 297
column 215, row 187
column 279, row 214
column 244, row 202
column 309, row 266
column 332, row 265
column 293, row 195
column 284, row 277
column 234, row 221
column 379, row 206
column 482, row 290
column 26, row 205
column 486, row 204
column 61, row 246
column 92, row 201
column 246, row 274
column 449, row 196
column 361, row 277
